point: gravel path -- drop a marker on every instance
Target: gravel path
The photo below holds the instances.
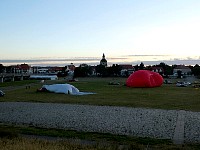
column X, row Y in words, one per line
column 180, row 126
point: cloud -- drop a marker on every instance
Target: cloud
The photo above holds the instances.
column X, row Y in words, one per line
column 170, row 62
column 146, row 55
column 129, row 59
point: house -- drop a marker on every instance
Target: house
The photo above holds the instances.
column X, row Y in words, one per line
column 23, row 68
column 126, row 69
column 55, row 70
column 70, row 67
column 40, row 70
column 184, row 70
column 157, row 69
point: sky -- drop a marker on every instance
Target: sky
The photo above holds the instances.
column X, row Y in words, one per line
column 58, row 32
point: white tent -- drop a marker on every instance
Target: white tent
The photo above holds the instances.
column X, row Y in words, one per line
column 46, row 77
column 64, row 88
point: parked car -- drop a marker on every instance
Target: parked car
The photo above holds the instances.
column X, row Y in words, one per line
column 167, row 82
column 196, row 85
column 2, row 93
column 188, row 83
column 182, row 84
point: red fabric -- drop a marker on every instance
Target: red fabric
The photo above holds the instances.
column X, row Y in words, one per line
column 144, row 78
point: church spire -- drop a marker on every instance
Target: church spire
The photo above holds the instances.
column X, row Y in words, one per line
column 103, row 57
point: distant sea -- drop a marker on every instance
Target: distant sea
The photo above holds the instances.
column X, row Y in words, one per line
column 131, row 59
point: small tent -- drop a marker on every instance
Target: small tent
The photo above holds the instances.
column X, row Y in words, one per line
column 44, row 77
column 144, row 78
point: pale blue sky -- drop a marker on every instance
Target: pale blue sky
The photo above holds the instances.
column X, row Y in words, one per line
column 137, row 29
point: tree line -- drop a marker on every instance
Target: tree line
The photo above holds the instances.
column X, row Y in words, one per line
column 84, row 70
column 115, row 70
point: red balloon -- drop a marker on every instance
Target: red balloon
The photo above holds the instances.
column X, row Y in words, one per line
column 144, row 78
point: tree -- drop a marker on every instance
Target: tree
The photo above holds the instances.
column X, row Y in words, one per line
column 114, row 70
column 148, row 67
column 141, row 67
column 179, row 72
column 196, row 70
column 82, row 71
column 101, row 70
column 2, row 68
column 136, row 67
column 168, row 70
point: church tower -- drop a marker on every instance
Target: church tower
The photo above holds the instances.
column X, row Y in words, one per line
column 103, row 61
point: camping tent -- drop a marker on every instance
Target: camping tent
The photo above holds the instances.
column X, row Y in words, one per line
column 144, row 78
column 44, row 77
column 64, row 88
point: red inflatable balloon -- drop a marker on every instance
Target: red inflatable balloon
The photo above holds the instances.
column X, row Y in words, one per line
column 144, row 78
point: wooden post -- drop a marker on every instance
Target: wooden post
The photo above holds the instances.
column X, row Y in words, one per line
column 2, row 79
column 13, row 78
column 21, row 78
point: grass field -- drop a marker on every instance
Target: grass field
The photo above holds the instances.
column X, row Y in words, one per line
column 73, row 140
column 168, row 96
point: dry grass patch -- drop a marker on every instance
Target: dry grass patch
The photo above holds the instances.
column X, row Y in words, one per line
column 36, row 144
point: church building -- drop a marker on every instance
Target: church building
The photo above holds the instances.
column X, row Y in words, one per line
column 103, row 61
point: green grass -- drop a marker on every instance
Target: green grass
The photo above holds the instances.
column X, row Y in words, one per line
column 17, row 83
column 14, row 131
column 13, row 140
column 164, row 97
